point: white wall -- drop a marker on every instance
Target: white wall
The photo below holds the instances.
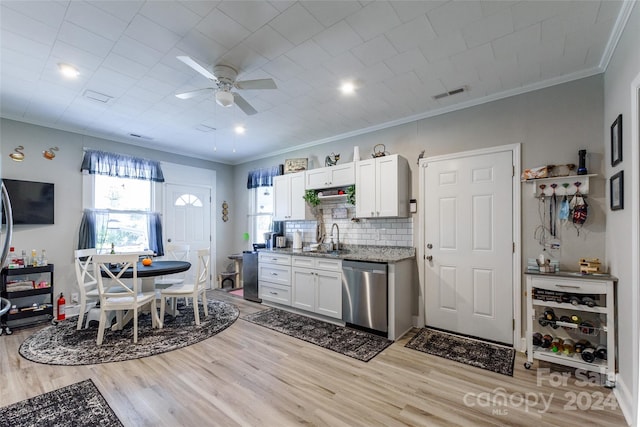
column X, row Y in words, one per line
column 623, row 68
column 61, row 239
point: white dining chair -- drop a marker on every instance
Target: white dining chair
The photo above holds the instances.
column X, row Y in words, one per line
column 87, row 283
column 190, row 290
column 174, row 252
column 129, row 296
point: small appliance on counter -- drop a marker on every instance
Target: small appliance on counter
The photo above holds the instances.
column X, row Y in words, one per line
column 281, row 242
column 297, row 240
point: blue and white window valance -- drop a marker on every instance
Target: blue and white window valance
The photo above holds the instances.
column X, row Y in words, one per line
column 121, row 165
column 263, row 177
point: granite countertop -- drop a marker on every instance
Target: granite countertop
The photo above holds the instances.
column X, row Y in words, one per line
column 574, row 274
column 388, row 254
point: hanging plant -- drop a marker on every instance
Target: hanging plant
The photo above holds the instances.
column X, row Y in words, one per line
column 311, row 197
column 351, row 195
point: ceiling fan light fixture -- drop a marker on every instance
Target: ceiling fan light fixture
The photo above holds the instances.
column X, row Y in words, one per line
column 224, row 98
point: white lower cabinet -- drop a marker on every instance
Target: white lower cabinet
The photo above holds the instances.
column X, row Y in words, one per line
column 274, row 277
column 316, row 285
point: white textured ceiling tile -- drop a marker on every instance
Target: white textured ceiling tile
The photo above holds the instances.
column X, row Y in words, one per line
column 154, row 85
column 374, row 19
column 345, row 66
column 407, row 61
column 29, row 47
column 565, row 65
column 454, row 16
column 200, row 47
column 223, row 29
column 458, row 79
column 411, row 34
column 171, row 15
column 17, row 23
column 85, row 61
column 308, row 54
column 41, row 114
column 45, row 12
column 375, row 50
column 338, row 38
column 268, row 42
column 491, row 7
column 251, row 14
column 437, row 49
column 409, row 10
column 244, row 59
column 151, row 34
column 480, row 55
column 569, row 22
column 170, row 75
column 282, row 5
column 21, row 66
column 282, row 68
column 527, row 13
column 374, row 74
column 592, row 38
column 95, row 20
column 519, row 41
column 296, row 24
column 110, row 82
column 498, row 67
column 549, row 50
column 124, row 10
column 145, row 94
column 84, row 39
column 330, row 12
column 136, row 51
column 124, row 65
column 202, row 8
column 492, row 27
column 609, row 10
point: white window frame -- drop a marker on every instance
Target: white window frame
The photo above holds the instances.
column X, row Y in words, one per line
column 253, row 215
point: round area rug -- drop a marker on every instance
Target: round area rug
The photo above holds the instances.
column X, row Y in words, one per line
column 62, row 344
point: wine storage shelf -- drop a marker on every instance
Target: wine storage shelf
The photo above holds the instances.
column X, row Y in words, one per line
column 599, row 328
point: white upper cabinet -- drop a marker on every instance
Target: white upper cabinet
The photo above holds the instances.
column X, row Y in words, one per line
column 382, row 187
column 288, row 192
column 329, row 177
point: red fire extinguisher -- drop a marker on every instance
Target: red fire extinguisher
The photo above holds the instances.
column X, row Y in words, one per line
column 61, row 304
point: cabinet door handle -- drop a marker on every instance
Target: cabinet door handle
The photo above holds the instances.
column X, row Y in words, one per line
column 274, row 274
column 273, row 293
column 568, row 286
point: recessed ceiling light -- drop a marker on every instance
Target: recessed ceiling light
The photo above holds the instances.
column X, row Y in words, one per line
column 240, row 129
column 68, row 70
column 347, row 88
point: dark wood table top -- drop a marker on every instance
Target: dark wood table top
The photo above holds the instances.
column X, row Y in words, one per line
column 157, row 268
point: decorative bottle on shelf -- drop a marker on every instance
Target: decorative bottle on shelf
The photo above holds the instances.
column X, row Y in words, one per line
column 34, row 258
column 43, row 258
column 582, row 160
column 23, row 260
column 113, row 249
column 12, row 260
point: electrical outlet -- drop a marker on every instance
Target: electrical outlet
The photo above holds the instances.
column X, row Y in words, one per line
column 75, row 297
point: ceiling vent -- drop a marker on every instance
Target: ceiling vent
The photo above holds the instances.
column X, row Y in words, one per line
column 97, row 96
column 451, row 92
column 205, row 128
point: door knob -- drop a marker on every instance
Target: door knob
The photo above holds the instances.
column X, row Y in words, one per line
column 429, row 258
column 169, row 240
column 429, row 246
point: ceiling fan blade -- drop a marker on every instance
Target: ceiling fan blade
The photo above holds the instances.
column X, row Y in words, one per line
column 193, row 93
column 197, row 67
column 244, row 105
column 256, row 84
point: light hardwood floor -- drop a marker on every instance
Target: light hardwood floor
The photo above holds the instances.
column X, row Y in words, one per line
column 250, row 375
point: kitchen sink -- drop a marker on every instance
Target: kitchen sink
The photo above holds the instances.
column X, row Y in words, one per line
column 335, row 252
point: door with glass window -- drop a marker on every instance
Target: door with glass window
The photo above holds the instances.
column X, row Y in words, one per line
column 187, row 218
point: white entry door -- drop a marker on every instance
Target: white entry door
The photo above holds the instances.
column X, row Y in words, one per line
column 187, row 219
column 468, row 205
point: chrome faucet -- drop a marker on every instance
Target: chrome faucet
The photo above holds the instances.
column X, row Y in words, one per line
column 335, row 246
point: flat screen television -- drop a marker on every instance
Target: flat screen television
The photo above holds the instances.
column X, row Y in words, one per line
column 31, row 202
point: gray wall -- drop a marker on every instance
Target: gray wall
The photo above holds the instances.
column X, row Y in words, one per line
column 623, row 68
column 61, row 239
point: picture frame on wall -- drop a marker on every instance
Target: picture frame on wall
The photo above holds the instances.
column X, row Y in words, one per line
column 295, row 165
column 616, row 141
column 616, row 191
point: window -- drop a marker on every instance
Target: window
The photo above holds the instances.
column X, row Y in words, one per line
column 118, row 197
column 125, row 204
column 260, row 213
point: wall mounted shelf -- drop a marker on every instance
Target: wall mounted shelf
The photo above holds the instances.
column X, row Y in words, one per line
column 561, row 182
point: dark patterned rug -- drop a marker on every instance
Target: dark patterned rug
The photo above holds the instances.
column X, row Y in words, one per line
column 79, row 404
column 481, row 354
column 350, row 342
column 64, row 345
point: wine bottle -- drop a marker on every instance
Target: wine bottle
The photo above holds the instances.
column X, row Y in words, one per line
column 601, row 352
column 581, row 345
column 536, row 339
column 556, row 345
column 568, row 347
column 546, row 341
column 588, row 354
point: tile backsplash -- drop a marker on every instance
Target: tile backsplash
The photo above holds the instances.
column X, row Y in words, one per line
column 367, row 231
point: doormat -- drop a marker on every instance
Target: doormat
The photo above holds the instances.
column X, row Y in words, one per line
column 62, row 344
column 79, row 404
column 349, row 342
column 481, row 354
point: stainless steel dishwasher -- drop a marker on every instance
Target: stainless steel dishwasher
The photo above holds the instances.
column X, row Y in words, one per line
column 364, row 296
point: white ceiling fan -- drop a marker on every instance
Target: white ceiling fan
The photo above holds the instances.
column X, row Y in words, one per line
column 224, row 77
